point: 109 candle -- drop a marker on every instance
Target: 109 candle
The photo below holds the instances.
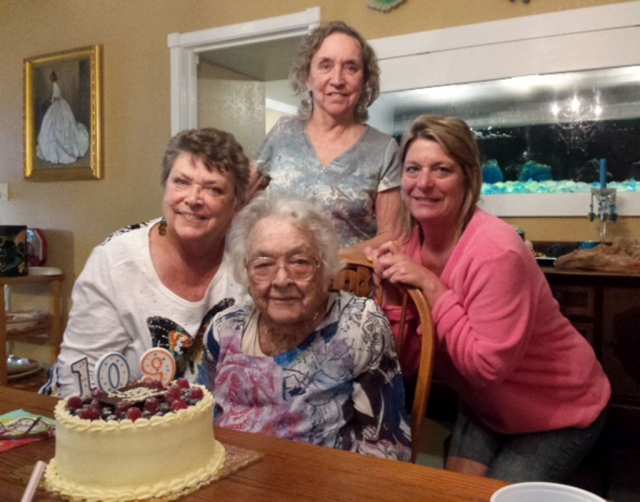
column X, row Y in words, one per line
column 112, row 370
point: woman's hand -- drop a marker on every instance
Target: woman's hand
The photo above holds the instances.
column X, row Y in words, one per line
column 392, row 264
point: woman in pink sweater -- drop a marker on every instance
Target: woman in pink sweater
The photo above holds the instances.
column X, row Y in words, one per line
column 533, row 394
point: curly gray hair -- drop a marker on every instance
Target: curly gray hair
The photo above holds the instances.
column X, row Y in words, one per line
column 299, row 73
column 307, row 215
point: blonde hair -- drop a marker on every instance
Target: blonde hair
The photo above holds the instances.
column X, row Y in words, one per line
column 458, row 141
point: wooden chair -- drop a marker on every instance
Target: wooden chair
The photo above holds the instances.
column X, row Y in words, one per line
column 357, row 278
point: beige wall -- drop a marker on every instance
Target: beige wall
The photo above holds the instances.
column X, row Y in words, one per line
column 232, row 102
column 77, row 215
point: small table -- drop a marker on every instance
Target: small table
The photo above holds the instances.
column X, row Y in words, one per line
column 289, row 471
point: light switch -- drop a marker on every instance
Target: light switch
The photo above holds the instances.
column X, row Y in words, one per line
column 4, row 191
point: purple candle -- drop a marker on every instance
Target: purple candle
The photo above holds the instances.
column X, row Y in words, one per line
column 603, row 174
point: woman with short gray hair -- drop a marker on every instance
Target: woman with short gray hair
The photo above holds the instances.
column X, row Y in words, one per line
column 159, row 283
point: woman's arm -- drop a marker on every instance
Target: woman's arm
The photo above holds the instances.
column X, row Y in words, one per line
column 257, row 181
column 391, row 263
column 485, row 325
column 94, row 327
column 392, row 216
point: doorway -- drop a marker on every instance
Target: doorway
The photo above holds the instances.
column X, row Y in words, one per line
column 236, row 77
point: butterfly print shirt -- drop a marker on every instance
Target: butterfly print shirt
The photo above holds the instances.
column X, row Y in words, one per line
column 120, row 305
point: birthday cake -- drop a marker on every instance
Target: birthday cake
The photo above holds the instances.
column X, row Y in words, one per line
column 139, row 442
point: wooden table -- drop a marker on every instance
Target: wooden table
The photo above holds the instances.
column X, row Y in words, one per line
column 289, row 471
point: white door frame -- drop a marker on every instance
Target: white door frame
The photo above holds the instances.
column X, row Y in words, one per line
column 185, row 49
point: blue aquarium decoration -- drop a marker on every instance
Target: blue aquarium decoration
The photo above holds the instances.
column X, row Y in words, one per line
column 561, row 186
column 491, row 172
column 534, row 171
column 534, row 159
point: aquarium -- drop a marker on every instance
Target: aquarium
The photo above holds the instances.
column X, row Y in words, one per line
column 539, row 133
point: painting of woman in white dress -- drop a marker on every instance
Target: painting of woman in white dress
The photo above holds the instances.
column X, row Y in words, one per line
column 61, row 139
column 63, row 115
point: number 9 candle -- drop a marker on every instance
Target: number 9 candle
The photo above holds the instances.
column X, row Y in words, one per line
column 158, row 364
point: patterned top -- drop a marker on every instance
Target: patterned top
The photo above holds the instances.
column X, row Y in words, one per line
column 347, row 187
column 340, row 388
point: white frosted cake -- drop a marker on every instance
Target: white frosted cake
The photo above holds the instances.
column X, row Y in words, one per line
column 158, row 453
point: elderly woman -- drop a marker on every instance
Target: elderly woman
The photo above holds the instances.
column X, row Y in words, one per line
column 158, row 284
column 328, row 154
column 301, row 362
column 534, row 394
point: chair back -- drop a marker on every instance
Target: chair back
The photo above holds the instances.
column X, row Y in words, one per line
column 357, row 277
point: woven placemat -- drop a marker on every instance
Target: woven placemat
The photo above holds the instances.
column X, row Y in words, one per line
column 237, row 459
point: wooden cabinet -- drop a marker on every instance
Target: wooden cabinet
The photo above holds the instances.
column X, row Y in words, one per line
column 621, row 341
column 577, row 301
column 50, row 325
column 605, row 308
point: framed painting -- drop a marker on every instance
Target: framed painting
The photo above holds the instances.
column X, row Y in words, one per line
column 63, row 115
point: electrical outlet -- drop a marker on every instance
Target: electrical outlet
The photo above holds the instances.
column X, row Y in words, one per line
column 4, row 191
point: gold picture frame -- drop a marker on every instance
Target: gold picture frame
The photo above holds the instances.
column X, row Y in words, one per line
column 63, row 115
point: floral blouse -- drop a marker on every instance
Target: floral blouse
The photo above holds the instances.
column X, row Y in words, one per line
column 341, row 388
column 347, row 187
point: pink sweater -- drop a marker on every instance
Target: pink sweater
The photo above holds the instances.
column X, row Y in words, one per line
column 501, row 340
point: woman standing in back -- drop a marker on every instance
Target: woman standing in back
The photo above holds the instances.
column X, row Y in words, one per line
column 328, row 154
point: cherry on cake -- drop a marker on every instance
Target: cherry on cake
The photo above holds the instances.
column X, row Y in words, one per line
column 139, row 442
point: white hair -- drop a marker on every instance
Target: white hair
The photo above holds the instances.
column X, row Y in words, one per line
column 305, row 214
